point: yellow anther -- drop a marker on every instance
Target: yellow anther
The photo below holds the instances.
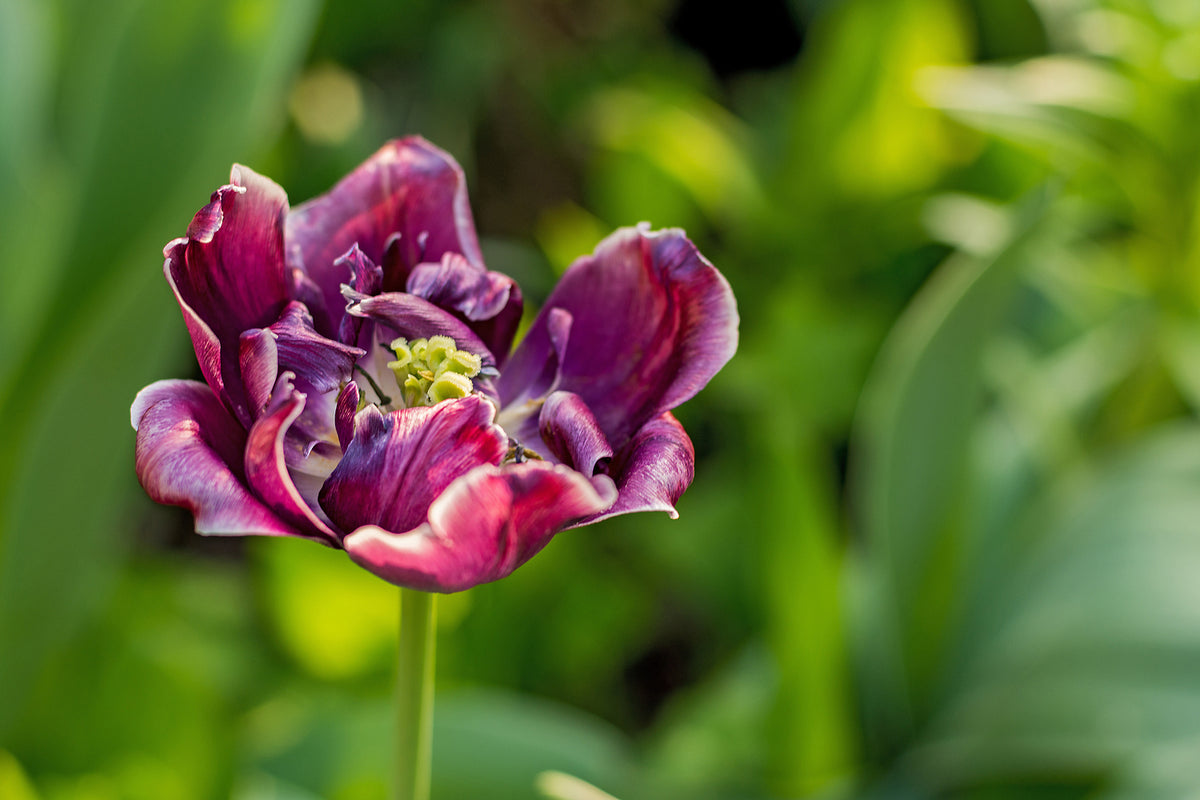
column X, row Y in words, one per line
column 431, row 370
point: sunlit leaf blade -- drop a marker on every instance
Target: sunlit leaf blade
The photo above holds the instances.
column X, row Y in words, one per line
column 163, row 91
column 1088, row 672
column 912, row 446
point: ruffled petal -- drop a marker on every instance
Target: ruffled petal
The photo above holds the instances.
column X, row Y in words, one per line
column 490, row 303
column 414, row 318
column 320, row 364
column 410, row 188
column 343, row 417
column 269, row 453
column 366, row 279
column 228, row 275
column 399, row 462
column 652, row 322
column 189, row 453
column 321, row 367
column 569, row 430
column 484, row 526
column 652, row 470
column 536, row 368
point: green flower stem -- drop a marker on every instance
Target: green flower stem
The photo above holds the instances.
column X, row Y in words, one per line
column 414, row 694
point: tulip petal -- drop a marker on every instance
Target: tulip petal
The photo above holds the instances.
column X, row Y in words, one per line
column 408, row 187
column 489, row 302
column 486, row 524
column 414, row 318
column 652, row 470
column 399, row 462
column 228, row 275
column 270, row 451
column 189, row 453
column 653, row 321
column 535, row 369
column 365, row 278
column 321, row 367
column 569, row 429
column 258, row 362
column 343, row 418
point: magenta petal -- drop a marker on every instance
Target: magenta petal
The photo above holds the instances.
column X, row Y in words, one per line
column 321, row 367
column 189, row 453
column 414, row 318
column 365, row 278
column 408, row 187
column 535, row 369
column 258, row 362
column 569, row 429
column 652, row 470
column 484, row 526
column 343, row 416
column 268, row 451
column 489, row 302
column 653, row 321
column 399, row 462
column 320, row 364
column 228, row 275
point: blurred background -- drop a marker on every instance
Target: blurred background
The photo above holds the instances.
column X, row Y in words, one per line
column 944, row 538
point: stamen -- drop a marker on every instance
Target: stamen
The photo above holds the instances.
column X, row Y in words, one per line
column 431, row 370
column 383, row 398
column 518, row 454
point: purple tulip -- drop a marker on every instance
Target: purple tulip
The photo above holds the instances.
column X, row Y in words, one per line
column 359, row 389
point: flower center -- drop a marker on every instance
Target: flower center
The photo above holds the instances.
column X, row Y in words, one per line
column 431, row 370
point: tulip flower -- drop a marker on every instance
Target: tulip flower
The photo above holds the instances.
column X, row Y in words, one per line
column 359, row 388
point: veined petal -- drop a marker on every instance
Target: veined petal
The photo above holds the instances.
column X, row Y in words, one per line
column 489, row 302
column 535, row 369
column 258, row 363
column 399, row 462
column 366, row 279
column 228, row 275
column 652, row 322
column 652, row 470
column 410, row 188
column 569, row 429
column 266, row 463
column 344, row 412
column 414, row 318
column 189, row 453
column 321, row 366
column 485, row 525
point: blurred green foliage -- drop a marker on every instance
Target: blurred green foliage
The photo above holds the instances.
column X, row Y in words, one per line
column 944, row 539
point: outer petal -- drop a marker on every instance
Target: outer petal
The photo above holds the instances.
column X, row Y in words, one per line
column 228, row 275
column 189, row 453
column 483, row 527
column 399, row 462
column 652, row 470
column 489, row 302
column 653, row 321
column 408, row 187
column 269, row 450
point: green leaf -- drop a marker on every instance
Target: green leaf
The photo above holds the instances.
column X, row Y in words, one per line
column 166, row 97
column 1086, row 673
column 487, row 743
column 911, row 448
